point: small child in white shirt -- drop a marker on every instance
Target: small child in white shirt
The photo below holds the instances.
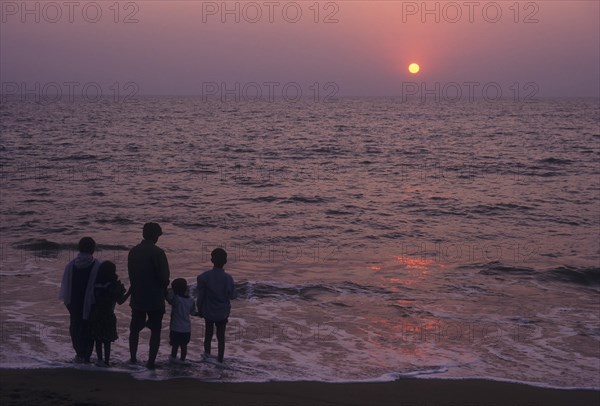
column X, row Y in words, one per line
column 182, row 306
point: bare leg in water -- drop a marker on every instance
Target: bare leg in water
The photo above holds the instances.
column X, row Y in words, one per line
column 208, row 333
column 106, row 346
column 221, row 340
column 154, row 345
column 183, row 352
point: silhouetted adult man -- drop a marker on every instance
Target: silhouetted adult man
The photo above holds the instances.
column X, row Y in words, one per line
column 149, row 277
column 77, row 293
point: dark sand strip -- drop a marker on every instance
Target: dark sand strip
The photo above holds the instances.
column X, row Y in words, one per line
column 86, row 388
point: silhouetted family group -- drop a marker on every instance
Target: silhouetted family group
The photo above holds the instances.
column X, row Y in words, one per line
column 90, row 290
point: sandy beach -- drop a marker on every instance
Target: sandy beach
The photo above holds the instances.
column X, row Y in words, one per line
column 72, row 386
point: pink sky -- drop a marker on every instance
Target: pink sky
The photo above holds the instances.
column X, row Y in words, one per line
column 175, row 47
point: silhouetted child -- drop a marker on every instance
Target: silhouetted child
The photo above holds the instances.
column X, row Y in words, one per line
column 215, row 290
column 108, row 291
column 181, row 327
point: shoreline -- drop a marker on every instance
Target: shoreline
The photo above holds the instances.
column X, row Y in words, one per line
column 67, row 386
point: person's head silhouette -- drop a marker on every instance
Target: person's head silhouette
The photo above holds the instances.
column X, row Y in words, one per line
column 179, row 286
column 151, row 232
column 107, row 272
column 87, row 245
column 218, row 257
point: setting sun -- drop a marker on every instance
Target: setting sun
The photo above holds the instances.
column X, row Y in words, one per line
column 414, row 68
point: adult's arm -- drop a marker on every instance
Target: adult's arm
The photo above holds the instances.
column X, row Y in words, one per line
column 120, row 293
column 193, row 310
column 130, row 267
column 127, row 294
column 231, row 288
column 163, row 269
column 65, row 286
column 170, row 296
column 201, row 291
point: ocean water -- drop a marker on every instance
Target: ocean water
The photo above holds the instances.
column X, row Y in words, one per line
column 370, row 239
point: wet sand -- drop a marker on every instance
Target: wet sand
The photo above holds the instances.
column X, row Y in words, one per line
column 81, row 387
